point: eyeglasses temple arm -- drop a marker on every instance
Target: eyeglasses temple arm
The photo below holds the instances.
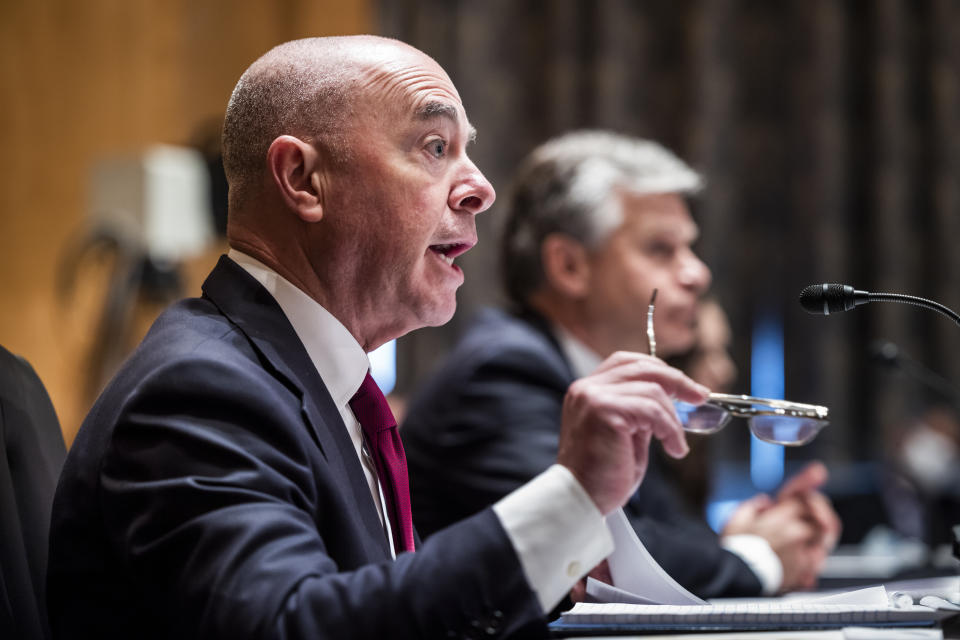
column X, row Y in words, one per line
column 650, row 335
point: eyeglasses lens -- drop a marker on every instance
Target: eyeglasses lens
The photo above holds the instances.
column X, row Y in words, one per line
column 785, row 430
column 704, row 418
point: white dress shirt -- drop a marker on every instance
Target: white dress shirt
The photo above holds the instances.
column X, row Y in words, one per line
column 752, row 549
column 556, row 529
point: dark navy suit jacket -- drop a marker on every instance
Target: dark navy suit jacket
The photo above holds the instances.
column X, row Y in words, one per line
column 31, row 454
column 489, row 421
column 213, row 492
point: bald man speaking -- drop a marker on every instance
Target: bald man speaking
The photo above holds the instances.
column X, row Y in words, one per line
column 241, row 476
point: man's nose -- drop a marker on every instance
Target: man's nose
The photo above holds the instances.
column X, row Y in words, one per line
column 473, row 193
column 695, row 274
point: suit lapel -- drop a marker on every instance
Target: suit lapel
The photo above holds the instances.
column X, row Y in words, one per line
column 255, row 312
column 540, row 324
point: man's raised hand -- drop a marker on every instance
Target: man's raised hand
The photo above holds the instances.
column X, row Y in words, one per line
column 609, row 418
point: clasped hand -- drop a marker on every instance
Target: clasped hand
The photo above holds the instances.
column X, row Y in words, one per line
column 800, row 525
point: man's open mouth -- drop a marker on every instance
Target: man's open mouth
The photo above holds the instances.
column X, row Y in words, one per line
column 448, row 252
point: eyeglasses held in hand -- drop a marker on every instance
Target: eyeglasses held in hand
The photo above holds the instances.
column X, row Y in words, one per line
column 777, row 421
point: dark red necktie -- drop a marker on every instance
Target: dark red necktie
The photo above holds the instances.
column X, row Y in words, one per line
column 374, row 415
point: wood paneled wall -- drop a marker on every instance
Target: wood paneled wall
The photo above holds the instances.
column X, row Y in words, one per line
column 80, row 80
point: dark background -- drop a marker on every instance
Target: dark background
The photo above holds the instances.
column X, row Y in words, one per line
column 828, row 134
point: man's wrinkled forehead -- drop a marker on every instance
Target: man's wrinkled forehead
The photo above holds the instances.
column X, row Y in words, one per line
column 411, row 80
column 660, row 213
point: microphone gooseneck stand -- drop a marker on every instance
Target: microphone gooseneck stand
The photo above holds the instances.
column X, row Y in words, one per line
column 833, row 298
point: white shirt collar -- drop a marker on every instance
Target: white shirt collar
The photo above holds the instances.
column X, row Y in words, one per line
column 337, row 356
column 583, row 360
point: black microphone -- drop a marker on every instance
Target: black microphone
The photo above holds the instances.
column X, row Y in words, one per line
column 833, row 298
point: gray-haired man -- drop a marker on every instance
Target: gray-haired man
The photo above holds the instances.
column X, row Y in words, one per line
column 596, row 221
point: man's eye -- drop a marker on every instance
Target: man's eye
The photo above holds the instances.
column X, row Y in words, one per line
column 659, row 249
column 438, row 148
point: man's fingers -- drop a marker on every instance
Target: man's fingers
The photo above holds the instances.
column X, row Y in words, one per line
column 646, row 406
column 741, row 519
column 601, row 572
column 626, row 366
column 641, row 452
column 653, row 411
column 578, row 593
column 802, row 489
column 609, row 418
column 618, row 358
column 784, row 510
column 822, row 513
column 810, row 478
column 674, row 442
column 801, row 532
column 760, row 502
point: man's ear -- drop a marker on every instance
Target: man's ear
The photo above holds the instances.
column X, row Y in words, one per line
column 294, row 167
column 566, row 264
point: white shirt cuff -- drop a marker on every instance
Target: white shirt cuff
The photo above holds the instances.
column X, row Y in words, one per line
column 760, row 557
column 557, row 531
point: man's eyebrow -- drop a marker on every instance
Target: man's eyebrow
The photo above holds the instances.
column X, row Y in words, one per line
column 445, row 110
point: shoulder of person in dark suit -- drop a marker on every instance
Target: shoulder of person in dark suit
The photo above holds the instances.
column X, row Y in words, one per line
column 487, row 420
column 203, row 435
column 32, row 451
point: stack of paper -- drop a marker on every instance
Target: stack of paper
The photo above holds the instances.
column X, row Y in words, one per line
column 753, row 615
column 644, row 597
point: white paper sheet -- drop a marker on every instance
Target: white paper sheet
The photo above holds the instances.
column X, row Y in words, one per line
column 602, row 592
column 876, row 596
column 896, row 633
column 639, row 579
column 635, row 571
